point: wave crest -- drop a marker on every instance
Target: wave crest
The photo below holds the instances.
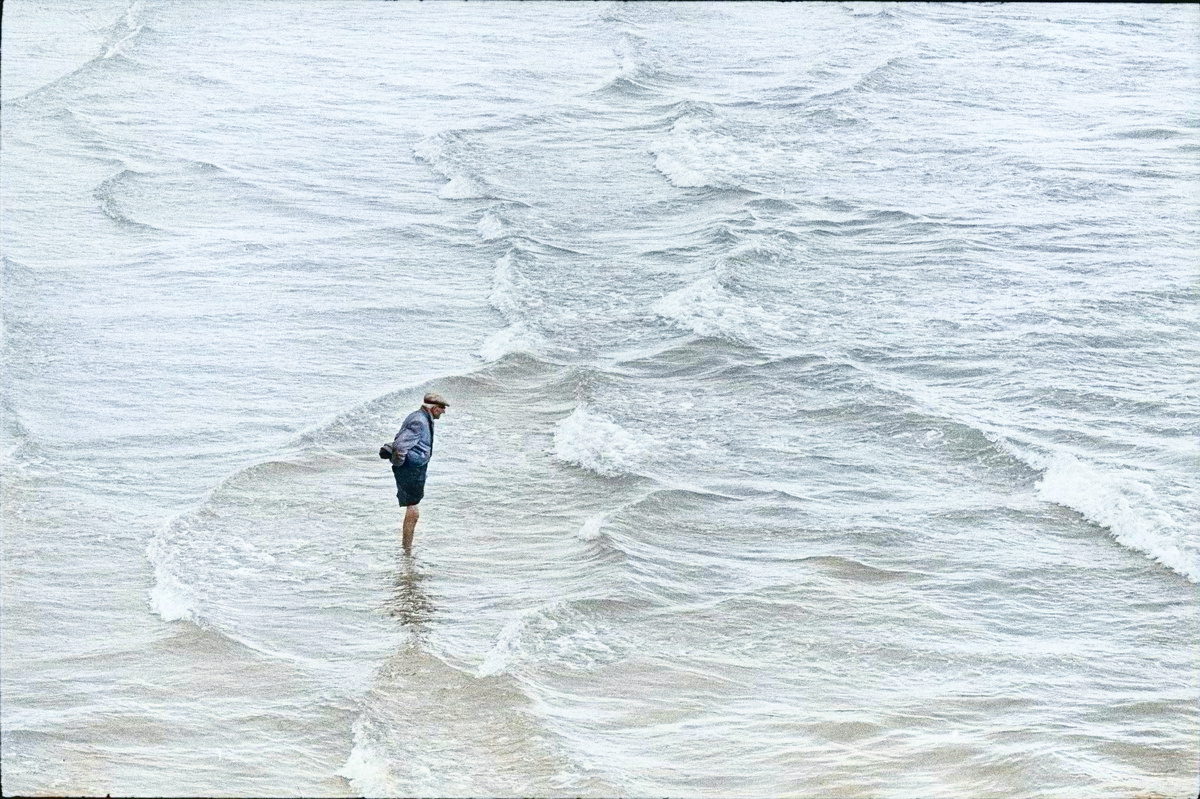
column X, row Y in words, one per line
column 170, row 597
column 450, row 155
column 125, row 30
column 558, row 632
column 514, row 338
column 462, row 187
column 490, row 227
column 693, row 154
column 708, row 309
column 1125, row 507
column 598, row 444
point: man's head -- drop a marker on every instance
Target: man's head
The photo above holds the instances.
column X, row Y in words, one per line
column 436, row 404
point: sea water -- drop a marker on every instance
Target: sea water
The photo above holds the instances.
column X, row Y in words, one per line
column 823, row 399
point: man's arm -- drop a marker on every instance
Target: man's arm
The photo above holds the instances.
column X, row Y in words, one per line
column 409, row 435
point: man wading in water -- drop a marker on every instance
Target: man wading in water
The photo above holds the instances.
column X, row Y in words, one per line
column 411, row 451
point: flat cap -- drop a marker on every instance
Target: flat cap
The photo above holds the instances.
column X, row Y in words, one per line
column 434, row 398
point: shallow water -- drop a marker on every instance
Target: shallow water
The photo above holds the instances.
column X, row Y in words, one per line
column 823, row 400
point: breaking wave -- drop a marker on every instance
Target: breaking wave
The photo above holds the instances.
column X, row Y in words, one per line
column 708, row 309
column 692, row 154
column 516, row 337
column 557, row 633
column 1126, row 507
column 490, row 227
column 1120, row 503
column 596, row 443
column 462, row 187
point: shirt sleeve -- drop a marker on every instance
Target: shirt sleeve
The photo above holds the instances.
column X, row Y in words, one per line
column 409, row 435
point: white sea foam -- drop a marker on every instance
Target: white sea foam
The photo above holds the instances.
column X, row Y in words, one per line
column 555, row 632
column 1128, row 508
column 438, row 152
column 514, row 338
column 591, row 529
column 503, row 296
column 431, row 149
column 462, row 187
column 507, row 646
column 680, row 170
column 127, row 31
column 490, row 227
column 693, row 155
column 369, row 772
column 1125, row 506
column 511, row 290
column 595, row 442
column 443, row 154
column 170, row 597
column 708, row 309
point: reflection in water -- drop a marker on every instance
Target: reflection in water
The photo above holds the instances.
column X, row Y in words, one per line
column 410, row 604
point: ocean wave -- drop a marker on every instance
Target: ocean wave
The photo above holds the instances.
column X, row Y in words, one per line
column 666, row 501
column 426, row 728
column 693, row 154
column 462, row 187
column 850, row 569
column 170, row 597
column 118, row 36
column 516, row 337
column 19, row 450
column 599, row 546
column 640, row 73
column 107, row 195
column 893, row 76
column 695, row 109
column 450, row 154
column 513, row 294
column 1118, row 502
column 508, row 285
column 633, row 78
column 490, row 227
column 596, row 443
column 1126, row 507
column 506, row 647
column 681, row 171
column 670, row 499
column 707, row 308
column 871, row 11
column 1151, row 133
column 557, row 633
column 125, row 30
column 625, row 86
column 591, row 529
column 239, row 567
column 440, row 151
column 830, row 116
column 186, row 195
column 692, row 358
column 368, row 770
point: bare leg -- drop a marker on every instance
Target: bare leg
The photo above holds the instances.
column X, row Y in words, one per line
column 411, row 514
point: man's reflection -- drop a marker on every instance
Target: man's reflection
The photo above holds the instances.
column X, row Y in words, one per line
column 409, row 603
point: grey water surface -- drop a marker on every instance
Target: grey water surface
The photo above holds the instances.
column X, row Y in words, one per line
column 823, row 382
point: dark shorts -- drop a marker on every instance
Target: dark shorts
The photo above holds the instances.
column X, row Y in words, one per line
column 410, row 483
